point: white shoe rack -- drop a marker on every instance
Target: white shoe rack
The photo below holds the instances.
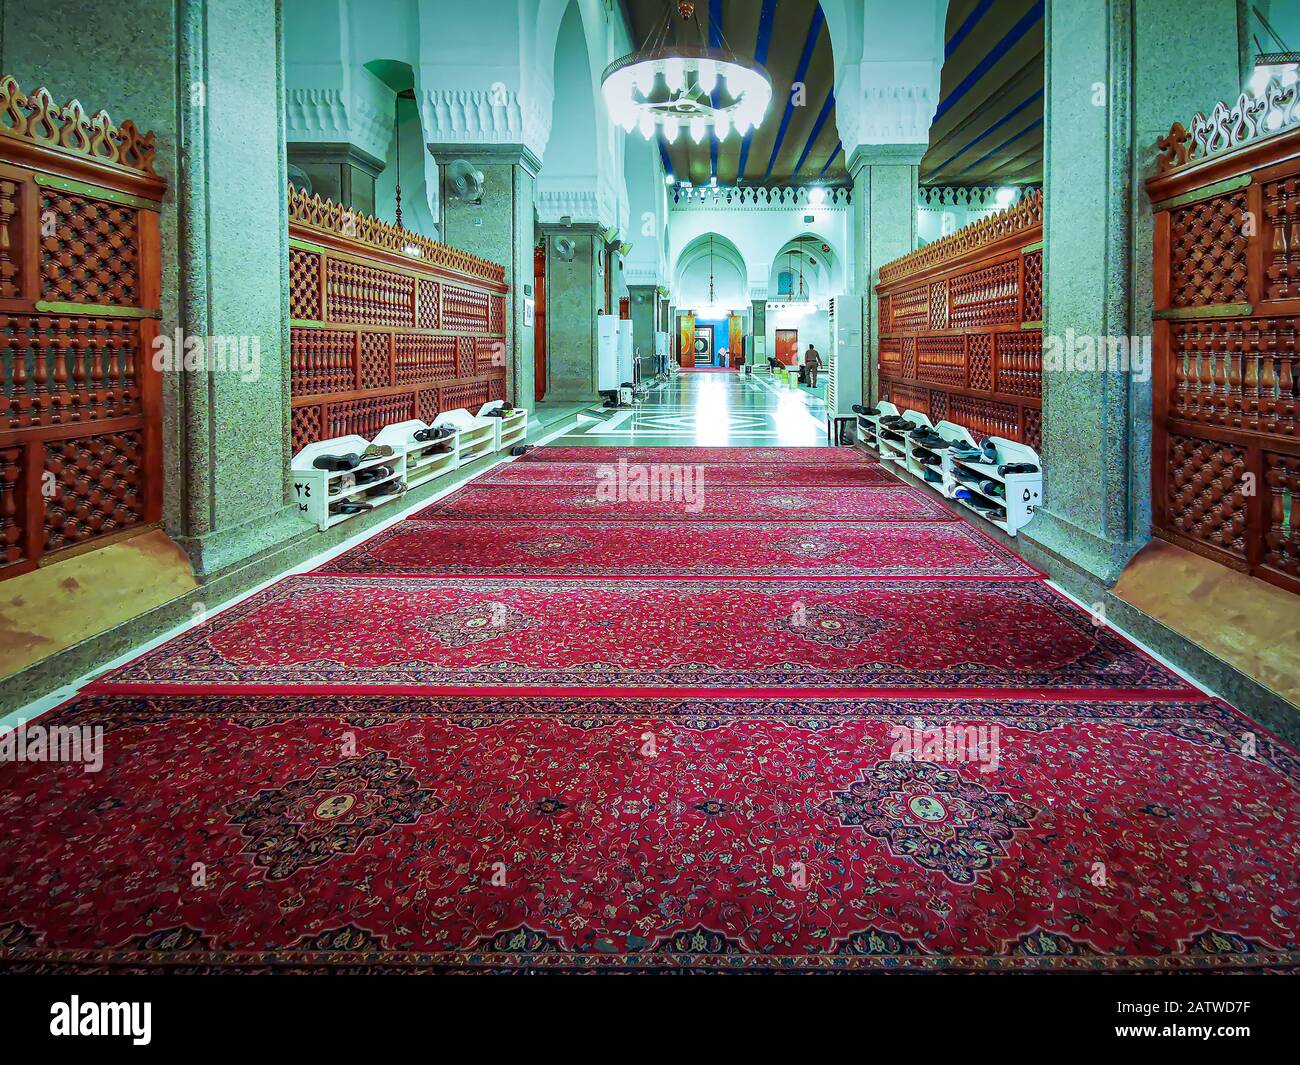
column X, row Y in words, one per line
column 511, row 429
column 897, row 447
column 1021, row 492
column 478, row 436
column 414, row 462
column 315, row 491
column 425, row 459
column 869, row 425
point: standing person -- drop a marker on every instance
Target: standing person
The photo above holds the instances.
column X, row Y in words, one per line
column 812, row 361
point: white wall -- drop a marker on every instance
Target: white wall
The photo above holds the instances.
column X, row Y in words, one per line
column 759, row 232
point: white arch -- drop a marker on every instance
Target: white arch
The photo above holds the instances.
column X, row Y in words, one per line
column 823, row 271
column 710, row 253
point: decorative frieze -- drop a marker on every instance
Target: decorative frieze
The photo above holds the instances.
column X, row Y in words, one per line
column 1252, row 117
column 1024, row 216
column 352, row 225
column 36, row 119
column 783, row 197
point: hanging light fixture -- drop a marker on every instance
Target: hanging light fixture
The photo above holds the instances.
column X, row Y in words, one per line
column 684, row 86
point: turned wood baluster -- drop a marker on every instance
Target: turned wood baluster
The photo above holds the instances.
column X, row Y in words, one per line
column 1268, row 386
column 41, row 372
column 1286, row 403
column 1232, row 413
column 19, row 401
column 1250, row 391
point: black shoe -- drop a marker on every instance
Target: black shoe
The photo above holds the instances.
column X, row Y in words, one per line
column 375, row 473
column 352, row 506
column 993, row 488
column 434, row 432
column 520, row 449
column 990, row 451
column 1016, row 467
column 337, row 462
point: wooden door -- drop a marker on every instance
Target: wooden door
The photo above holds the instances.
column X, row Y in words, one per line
column 787, row 346
column 735, row 340
column 686, row 348
column 539, row 321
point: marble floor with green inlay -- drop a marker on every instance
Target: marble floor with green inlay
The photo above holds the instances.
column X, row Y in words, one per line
column 710, row 410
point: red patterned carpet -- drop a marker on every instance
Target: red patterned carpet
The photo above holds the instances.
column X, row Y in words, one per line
column 418, row 633
column 378, row 835
column 745, row 456
column 820, row 725
column 682, row 549
column 698, row 502
column 790, row 475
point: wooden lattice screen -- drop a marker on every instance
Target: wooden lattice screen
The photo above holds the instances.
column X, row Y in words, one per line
column 1226, row 375
column 385, row 324
column 961, row 326
column 80, row 283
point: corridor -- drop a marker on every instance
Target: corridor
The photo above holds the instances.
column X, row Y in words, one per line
column 677, row 708
column 712, row 409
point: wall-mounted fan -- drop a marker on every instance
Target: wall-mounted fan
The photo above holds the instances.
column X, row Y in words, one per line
column 464, row 183
column 565, row 247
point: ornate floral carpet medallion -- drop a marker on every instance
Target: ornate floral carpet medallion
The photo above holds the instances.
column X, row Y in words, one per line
column 933, row 816
column 306, row 823
column 810, row 545
column 832, row 626
column 555, row 545
column 373, row 834
column 475, row 624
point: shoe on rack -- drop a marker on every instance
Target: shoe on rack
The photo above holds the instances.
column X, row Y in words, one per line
column 933, row 476
column 867, row 412
column 993, row 488
column 1016, row 467
column 520, row 449
column 384, row 491
column 990, row 452
column 433, row 432
column 375, row 473
column 352, row 506
column 344, row 484
column 964, row 493
column 337, row 462
column 377, row 451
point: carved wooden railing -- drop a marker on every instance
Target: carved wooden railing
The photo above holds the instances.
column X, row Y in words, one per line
column 386, row 324
column 80, row 284
column 1226, row 461
column 961, row 334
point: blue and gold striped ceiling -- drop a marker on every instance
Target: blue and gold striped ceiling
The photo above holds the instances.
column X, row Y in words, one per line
column 988, row 129
column 798, row 140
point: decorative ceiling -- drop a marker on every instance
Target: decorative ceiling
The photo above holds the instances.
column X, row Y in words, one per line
column 988, row 129
column 797, row 141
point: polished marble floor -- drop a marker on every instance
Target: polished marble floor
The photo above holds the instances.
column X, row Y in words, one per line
column 711, row 410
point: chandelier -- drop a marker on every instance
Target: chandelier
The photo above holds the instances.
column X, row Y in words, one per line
column 687, row 87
